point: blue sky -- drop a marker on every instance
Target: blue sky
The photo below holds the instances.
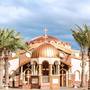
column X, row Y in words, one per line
column 30, row 17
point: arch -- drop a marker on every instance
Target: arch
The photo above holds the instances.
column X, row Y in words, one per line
column 27, row 69
column 45, row 71
column 34, row 62
column 35, row 68
column 26, row 66
column 12, row 72
column 56, row 62
column 27, row 76
column 55, row 68
column 63, row 69
column 63, row 77
column 77, row 75
column 45, row 64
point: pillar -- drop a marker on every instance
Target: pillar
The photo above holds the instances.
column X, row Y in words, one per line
column 28, row 76
column 24, row 78
column 33, row 69
column 62, row 78
column 58, row 70
column 67, row 78
column 21, row 75
column 40, row 74
column 50, row 70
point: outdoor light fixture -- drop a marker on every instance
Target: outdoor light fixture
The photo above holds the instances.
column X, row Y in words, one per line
column 28, row 54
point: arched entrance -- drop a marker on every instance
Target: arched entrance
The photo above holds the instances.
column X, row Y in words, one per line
column 27, row 78
column 12, row 79
column 45, row 72
column 35, row 75
column 63, row 77
column 35, row 68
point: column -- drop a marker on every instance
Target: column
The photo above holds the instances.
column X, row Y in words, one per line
column 50, row 75
column 62, row 78
column 28, row 76
column 21, row 76
column 40, row 74
column 67, row 79
column 34, row 69
column 24, row 78
column 50, row 70
column 58, row 70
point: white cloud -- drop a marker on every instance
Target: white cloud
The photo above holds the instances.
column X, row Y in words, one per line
column 10, row 13
column 31, row 15
column 84, row 11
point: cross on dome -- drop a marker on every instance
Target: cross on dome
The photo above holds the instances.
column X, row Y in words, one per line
column 45, row 30
column 45, row 33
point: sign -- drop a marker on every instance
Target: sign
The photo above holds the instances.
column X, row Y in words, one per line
column 55, row 81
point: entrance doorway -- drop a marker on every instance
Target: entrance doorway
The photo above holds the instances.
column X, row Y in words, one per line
column 63, row 78
column 45, row 72
column 27, row 78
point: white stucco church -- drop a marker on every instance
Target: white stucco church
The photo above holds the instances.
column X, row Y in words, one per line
column 50, row 63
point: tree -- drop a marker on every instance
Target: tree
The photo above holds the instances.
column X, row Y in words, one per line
column 79, row 35
column 10, row 41
column 87, row 28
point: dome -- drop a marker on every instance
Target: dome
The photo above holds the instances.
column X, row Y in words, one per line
column 42, row 39
column 45, row 50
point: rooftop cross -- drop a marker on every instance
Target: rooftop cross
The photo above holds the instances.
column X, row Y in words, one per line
column 45, row 30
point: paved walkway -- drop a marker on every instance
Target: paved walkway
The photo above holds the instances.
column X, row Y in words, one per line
column 45, row 89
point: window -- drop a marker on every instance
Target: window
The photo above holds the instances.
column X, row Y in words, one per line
column 77, row 75
column 55, row 68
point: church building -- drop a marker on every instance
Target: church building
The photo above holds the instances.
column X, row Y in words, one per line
column 49, row 63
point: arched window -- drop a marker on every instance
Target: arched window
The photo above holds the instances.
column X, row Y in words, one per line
column 77, row 75
column 55, row 68
column 45, row 68
column 27, row 75
column 45, row 72
column 35, row 68
column 63, row 77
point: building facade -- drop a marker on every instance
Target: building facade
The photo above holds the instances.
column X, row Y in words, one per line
column 50, row 63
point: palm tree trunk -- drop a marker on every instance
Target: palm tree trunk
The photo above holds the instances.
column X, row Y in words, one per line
column 1, row 69
column 89, row 69
column 82, row 73
column 6, row 72
column 1, row 72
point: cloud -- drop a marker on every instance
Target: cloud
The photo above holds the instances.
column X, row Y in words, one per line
column 11, row 13
column 30, row 16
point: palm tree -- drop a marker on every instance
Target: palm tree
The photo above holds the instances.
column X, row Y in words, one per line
column 87, row 28
column 10, row 41
column 79, row 35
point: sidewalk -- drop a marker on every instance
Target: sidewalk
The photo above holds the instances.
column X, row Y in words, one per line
column 62, row 88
